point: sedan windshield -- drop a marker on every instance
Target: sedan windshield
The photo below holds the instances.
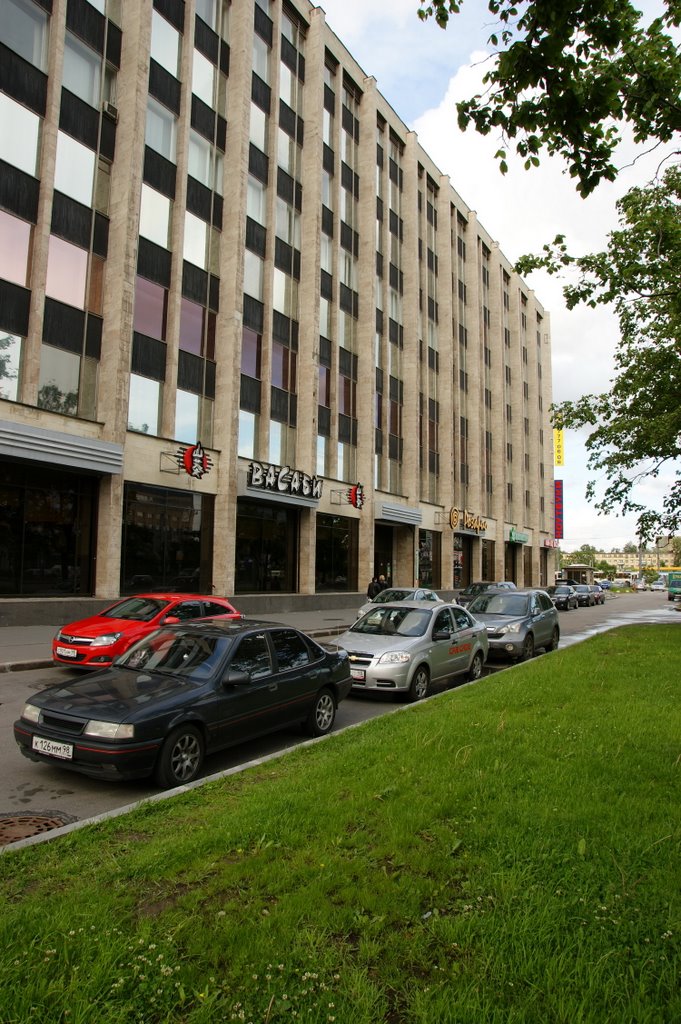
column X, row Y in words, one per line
column 513, row 605
column 141, row 609
column 391, row 595
column 393, row 622
column 177, row 654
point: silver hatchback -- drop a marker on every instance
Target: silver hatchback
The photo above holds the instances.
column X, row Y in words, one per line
column 517, row 621
column 408, row 646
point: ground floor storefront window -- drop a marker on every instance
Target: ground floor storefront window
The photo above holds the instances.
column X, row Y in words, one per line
column 463, row 560
column 488, row 556
column 428, row 568
column 336, row 553
column 266, row 548
column 167, row 540
column 46, row 530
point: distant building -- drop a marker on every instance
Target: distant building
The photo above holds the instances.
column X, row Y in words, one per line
column 251, row 338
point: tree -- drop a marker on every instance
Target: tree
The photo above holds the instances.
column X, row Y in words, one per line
column 567, row 76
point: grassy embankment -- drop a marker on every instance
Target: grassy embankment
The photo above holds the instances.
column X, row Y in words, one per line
column 507, row 852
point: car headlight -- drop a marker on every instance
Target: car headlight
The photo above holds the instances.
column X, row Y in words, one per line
column 109, row 730
column 31, row 713
column 394, row 658
column 106, row 639
column 513, row 627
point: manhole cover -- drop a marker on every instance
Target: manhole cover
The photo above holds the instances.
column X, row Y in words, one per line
column 14, row 827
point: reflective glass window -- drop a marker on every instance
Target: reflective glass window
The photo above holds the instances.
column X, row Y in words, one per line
column 19, row 135
column 58, row 382
column 256, row 202
column 186, row 417
column 144, row 404
column 203, row 78
column 165, row 44
column 74, row 171
column 11, row 346
column 15, row 245
column 251, row 348
column 23, row 28
column 151, row 306
column 66, row 272
column 191, row 326
column 254, row 270
column 160, row 131
column 195, row 240
column 247, row 434
column 155, row 212
column 258, row 128
column 205, row 163
column 82, row 70
column 261, row 58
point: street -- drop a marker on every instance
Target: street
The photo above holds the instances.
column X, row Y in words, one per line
column 63, row 797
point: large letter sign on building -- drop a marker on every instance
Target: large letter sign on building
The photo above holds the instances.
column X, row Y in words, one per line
column 284, row 480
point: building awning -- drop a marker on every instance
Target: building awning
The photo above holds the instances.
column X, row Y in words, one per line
column 72, row 451
column 398, row 514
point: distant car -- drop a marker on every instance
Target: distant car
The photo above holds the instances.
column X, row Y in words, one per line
column 409, row 646
column 584, row 595
column 473, row 589
column 658, row 585
column 605, row 584
column 517, row 622
column 392, row 594
column 563, row 596
column 598, row 593
column 183, row 692
column 95, row 642
column 640, row 585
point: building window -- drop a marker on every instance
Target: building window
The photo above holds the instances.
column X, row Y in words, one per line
column 195, row 248
column 19, row 135
column 82, row 70
column 155, row 214
column 165, row 44
column 151, row 308
column 144, row 404
column 15, row 247
column 161, row 128
column 66, row 272
column 11, row 346
column 23, row 28
column 74, row 171
column 203, row 79
column 248, row 434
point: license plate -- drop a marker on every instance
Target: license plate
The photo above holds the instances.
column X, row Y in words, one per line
column 67, row 652
column 358, row 673
column 43, row 746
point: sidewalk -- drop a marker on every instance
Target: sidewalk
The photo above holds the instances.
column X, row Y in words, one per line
column 30, row 647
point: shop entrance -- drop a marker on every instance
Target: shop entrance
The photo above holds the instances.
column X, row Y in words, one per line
column 383, row 552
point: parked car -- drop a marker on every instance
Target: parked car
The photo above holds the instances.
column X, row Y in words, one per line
column 563, row 596
column 182, row 692
column 94, row 642
column 605, row 584
column 392, row 594
column 598, row 593
column 658, row 585
column 640, row 585
column 517, row 622
column 409, row 646
column 584, row 596
column 473, row 589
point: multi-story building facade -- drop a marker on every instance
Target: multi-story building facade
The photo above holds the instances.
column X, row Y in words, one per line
column 251, row 338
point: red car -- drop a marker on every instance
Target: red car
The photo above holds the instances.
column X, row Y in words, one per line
column 94, row 642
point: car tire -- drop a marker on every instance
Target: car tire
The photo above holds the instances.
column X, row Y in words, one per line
column 528, row 648
column 420, row 684
column 181, row 757
column 475, row 671
column 555, row 640
column 322, row 714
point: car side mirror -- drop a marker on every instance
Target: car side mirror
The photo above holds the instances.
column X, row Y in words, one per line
column 441, row 634
column 170, row 620
column 236, row 677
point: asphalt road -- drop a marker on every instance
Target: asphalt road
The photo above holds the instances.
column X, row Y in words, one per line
column 41, row 790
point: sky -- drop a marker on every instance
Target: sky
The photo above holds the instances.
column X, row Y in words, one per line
column 423, row 71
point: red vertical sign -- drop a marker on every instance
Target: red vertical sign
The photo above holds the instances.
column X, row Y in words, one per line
column 558, row 506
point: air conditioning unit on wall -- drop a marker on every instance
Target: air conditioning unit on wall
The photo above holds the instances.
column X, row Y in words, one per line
column 110, row 109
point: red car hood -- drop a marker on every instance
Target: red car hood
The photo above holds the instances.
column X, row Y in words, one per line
column 96, row 625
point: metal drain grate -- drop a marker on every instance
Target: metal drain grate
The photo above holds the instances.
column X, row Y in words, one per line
column 16, row 826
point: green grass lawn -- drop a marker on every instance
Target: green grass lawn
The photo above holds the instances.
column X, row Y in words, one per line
column 505, row 852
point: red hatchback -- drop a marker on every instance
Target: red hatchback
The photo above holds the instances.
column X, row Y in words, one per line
column 94, row 642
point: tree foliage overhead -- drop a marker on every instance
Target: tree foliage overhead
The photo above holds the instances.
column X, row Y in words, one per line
column 569, row 73
column 567, row 76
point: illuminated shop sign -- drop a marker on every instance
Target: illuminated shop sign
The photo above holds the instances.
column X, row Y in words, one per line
column 194, row 461
column 516, row 537
column 465, row 520
column 284, row 480
column 356, row 496
column 558, row 504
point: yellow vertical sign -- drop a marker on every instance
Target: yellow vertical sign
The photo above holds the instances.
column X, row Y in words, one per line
column 558, row 450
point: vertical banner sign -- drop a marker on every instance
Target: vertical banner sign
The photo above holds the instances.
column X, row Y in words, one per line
column 558, row 450
column 558, row 506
